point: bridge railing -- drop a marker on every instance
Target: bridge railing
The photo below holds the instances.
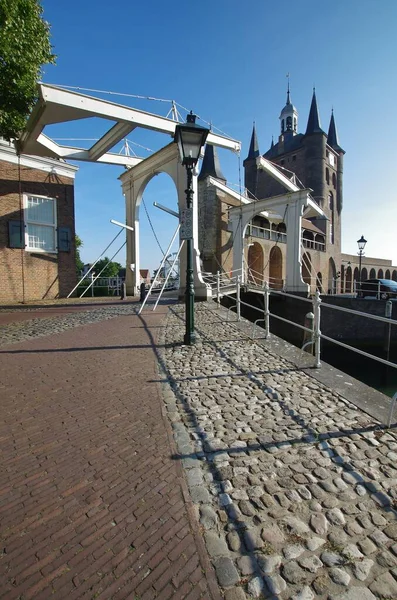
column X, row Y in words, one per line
column 314, row 332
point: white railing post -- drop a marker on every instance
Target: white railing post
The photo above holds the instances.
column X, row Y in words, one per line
column 378, row 294
column 238, row 307
column 266, row 311
column 218, row 288
column 317, row 331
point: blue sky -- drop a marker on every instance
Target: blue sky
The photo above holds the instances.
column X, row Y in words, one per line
column 227, row 60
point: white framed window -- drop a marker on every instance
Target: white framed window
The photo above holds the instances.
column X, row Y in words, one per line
column 40, row 223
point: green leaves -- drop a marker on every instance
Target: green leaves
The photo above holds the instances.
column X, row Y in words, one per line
column 24, row 48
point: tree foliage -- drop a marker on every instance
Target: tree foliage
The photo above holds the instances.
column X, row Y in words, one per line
column 79, row 263
column 112, row 269
column 24, row 48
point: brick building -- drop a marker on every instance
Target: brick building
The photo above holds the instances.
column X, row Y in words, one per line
column 314, row 160
column 37, row 228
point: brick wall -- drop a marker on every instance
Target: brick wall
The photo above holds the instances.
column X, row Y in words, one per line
column 28, row 275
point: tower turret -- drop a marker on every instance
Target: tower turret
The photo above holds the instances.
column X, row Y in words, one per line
column 289, row 117
column 333, row 135
column 250, row 168
column 313, row 122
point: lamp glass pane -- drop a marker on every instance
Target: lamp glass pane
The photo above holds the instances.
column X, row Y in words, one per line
column 191, row 142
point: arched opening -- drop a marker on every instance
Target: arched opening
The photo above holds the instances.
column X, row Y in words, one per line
column 157, row 227
column 307, row 239
column 394, row 275
column 319, row 242
column 282, row 125
column 255, row 264
column 348, row 286
column 387, row 274
column 380, row 274
column 278, row 232
column 307, row 268
column 356, row 275
column 331, row 276
column 334, row 180
column 319, row 283
column 372, row 274
column 276, row 268
column 342, row 279
column 259, row 227
column 364, row 274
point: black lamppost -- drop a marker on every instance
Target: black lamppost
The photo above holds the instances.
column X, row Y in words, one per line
column 361, row 245
column 190, row 138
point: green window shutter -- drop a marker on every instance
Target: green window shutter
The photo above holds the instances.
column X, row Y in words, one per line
column 16, row 234
column 64, row 239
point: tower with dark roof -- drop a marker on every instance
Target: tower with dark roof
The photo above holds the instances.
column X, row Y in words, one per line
column 316, row 159
column 212, row 213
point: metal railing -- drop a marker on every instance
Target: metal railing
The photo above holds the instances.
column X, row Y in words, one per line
column 266, row 234
column 313, row 244
column 315, row 332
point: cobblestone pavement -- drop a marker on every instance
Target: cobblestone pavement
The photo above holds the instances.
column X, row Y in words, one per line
column 92, row 505
column 20, row 330
column 294, row 487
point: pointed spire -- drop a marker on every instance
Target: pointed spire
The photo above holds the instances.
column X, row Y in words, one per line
column 211, row 166
column 333, row 135
column 313, row 122
column 254, row 146
column 288, row 96
column 272, row 142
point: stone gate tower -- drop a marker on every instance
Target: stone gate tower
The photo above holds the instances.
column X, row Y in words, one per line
column 315, row 158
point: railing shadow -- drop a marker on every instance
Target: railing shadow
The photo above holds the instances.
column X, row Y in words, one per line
column 310, row 436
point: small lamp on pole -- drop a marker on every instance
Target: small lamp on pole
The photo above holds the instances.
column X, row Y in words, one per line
column 361, row 245
column 190, row 138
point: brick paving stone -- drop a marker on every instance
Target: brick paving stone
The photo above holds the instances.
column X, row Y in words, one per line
column 91, row 499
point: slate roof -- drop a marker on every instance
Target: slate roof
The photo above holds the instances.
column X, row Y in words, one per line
column 253, row 151
column 313, row 122
column 211, row 166
column 291, row 143
column 333, row 135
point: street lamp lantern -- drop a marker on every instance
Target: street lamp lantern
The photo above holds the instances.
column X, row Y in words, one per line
column 361, row 245
column 190, row 138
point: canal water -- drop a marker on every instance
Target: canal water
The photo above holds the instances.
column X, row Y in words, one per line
column 368, row 371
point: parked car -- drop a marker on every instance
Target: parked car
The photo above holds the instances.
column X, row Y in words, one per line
column 383, row 289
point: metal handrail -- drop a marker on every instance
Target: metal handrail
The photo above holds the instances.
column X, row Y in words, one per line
column 317, row 335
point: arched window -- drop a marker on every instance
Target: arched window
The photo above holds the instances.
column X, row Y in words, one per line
column 380, row 274
column 327, row 175
column 295, row 124
column 334, row 180
column 331, row 201
column 319, row 283
column 320, row 242
column 348, row 284
column 372, row 274
column 282, row 125
column 289, row 123
column 394, row 276
column 307, row 268
column 355, row 275
column 364, row 274
column 276, row 268
column 387, row 274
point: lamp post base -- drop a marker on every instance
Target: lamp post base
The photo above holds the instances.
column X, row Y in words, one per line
column 190, row 338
